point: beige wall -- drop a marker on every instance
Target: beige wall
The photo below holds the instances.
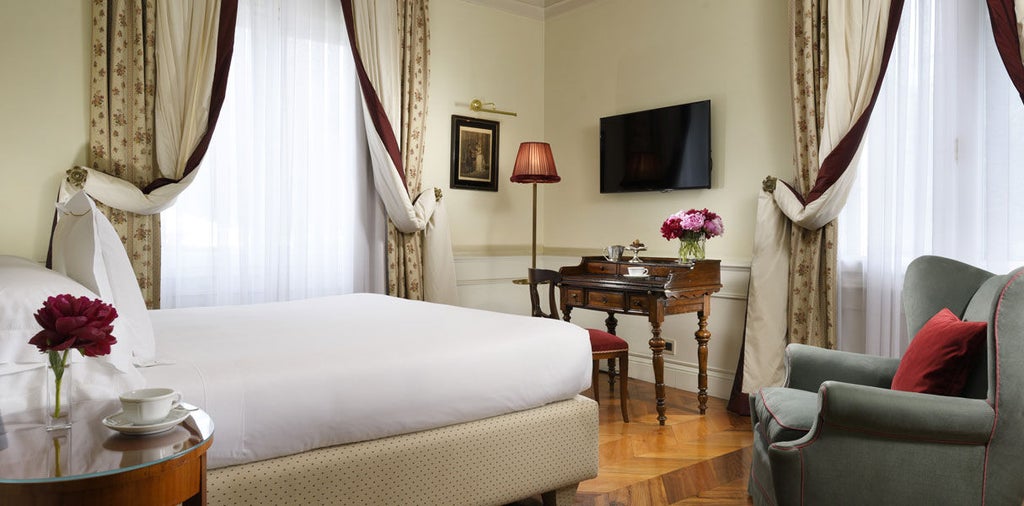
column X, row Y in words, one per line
column 43, row 114
column 610, row 57
column 616, row 56
column 561, row 76
column 480, row 52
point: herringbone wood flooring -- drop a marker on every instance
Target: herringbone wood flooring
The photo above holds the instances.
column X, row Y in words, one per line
column 692, row 459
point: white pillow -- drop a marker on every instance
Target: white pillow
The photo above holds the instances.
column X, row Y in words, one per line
column 88, row 249
column 24, row 285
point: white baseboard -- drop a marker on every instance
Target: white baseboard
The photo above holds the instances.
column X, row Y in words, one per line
column 682, row 376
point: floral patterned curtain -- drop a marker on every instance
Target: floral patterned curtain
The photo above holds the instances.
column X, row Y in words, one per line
column 136, row 101
column 389, row 41
column 405, row 250
column 812, row 261
column 121, row 140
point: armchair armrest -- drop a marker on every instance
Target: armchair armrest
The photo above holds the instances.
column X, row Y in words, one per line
column 807, row 367
column 902, row 415
column 893, row 440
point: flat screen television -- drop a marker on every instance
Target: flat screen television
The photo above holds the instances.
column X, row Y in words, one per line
column 657, row 150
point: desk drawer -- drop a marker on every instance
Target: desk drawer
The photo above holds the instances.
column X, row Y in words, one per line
column 638, row 303
column 605, row 300
column 602, row 268
column 573, row 296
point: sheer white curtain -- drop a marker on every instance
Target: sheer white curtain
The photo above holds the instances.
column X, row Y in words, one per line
column 940, row 170
column 284, row 207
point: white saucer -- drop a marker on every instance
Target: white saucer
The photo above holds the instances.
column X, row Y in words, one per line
column 119, row 423
column 636, row 275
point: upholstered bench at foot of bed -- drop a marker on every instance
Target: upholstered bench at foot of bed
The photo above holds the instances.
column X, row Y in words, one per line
column 497, row 460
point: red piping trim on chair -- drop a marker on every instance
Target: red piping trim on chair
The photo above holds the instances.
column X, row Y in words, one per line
column 803, row 468
column 761, row 487
column 770, row 412
column 889, row 435
column 995, row 403
column 824, row 395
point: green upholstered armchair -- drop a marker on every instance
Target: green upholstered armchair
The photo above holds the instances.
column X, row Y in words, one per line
column 836, row 434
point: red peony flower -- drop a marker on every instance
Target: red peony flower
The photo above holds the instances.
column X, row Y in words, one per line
column 75, row 322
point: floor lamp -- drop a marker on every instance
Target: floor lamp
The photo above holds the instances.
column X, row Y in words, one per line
column 535, row 164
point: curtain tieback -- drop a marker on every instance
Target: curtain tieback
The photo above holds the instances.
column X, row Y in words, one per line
column 77, row 176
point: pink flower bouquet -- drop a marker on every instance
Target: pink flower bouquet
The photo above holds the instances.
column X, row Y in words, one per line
column 692, row 228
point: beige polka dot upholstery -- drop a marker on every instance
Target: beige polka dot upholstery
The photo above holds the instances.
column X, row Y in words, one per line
column 492, row 461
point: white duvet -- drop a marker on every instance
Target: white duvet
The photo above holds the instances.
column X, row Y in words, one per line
column 287, row 377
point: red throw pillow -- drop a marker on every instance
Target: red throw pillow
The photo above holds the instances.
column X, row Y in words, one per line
column 940, row 356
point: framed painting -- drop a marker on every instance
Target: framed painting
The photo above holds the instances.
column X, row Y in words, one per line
column 474, row 154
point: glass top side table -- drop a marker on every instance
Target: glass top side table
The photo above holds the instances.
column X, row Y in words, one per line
column 90, row 463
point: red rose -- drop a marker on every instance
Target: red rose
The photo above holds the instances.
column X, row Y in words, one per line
column 80, row 323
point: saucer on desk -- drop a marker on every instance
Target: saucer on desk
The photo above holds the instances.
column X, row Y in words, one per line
column 120, row 423
column 636, row 275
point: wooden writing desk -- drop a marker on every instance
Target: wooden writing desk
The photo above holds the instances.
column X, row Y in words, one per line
column 670, row 288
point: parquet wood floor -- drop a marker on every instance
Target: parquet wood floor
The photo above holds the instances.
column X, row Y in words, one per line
column 692, row 459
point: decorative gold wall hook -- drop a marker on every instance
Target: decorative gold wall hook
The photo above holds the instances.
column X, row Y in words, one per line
column 478, row 106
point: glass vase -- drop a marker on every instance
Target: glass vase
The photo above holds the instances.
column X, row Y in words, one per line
column 58, row 396
column 691, row 249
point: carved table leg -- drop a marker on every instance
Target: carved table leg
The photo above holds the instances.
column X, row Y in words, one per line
column 611, row 323
column 702, row 336
column 565, row 312
column 657, row 347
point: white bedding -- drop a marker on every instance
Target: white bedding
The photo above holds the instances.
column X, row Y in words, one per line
column 287, row 377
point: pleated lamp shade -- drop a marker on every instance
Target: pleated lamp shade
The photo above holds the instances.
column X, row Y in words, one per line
column 535, row 164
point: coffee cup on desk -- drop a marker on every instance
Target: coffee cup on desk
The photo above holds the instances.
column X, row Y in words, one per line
column 149, row 405
column 637, row 271
column 613, row 253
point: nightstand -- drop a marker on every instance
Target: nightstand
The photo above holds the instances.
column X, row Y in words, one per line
column 90, row 464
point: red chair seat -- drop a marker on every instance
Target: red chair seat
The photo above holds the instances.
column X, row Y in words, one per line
column 601, row 341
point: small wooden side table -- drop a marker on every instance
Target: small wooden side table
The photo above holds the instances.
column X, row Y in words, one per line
column 90, row 464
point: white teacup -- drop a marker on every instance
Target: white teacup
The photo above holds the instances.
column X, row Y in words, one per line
column 149, row 405
column 637, row 271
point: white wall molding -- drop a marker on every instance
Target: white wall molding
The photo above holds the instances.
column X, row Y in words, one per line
column 535, row 9
column 513, row 7
column 557, row 7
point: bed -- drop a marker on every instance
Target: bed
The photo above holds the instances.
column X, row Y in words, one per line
column 352, row 399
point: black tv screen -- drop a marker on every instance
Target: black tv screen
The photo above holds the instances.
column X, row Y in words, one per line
column 657, row 150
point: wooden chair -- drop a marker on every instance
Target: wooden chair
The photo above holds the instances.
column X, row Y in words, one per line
column 603, row 345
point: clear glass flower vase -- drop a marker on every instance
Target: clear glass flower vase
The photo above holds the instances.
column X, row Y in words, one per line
column 58, row 398
column 691, row 250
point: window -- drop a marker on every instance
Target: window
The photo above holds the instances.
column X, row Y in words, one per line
column 936, row 172
column 283, row 206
